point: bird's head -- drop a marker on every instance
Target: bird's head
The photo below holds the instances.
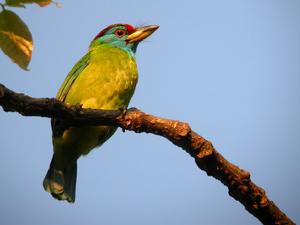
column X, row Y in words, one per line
column 124, row 36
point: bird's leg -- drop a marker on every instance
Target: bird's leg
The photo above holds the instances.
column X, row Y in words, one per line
column 123, row 110
column 78, row 107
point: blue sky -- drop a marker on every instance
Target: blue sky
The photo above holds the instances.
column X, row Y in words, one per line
column 229, row 68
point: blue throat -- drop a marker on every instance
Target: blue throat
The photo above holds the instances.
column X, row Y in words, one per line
column 130, row 48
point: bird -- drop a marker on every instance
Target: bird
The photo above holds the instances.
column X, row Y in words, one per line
column 104, row 78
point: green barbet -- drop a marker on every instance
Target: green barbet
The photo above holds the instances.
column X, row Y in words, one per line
column 105, row 78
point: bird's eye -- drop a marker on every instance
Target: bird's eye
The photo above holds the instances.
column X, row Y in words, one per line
column 120, row 33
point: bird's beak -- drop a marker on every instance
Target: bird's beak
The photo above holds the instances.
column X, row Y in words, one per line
column 141, row 33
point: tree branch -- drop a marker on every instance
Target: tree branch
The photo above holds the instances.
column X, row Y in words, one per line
column 206, row 156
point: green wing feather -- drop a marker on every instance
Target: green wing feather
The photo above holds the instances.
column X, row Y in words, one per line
column 64, row 89
column 74, row 73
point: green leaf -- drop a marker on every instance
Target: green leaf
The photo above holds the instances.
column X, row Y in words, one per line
column 15, row 38
column 20, row 3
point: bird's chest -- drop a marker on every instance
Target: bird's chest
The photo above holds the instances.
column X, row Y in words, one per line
column 108, row 82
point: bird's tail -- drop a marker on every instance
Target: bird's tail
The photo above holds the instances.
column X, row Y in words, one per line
column 61, row 184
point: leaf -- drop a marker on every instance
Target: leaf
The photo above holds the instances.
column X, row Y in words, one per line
column 15, row 38
column 20, row 3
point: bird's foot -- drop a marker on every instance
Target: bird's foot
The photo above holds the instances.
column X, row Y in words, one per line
column 77, row 107
column 123, row 110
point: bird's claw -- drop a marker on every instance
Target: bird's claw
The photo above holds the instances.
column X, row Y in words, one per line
column 78, row 106
column 123, row 110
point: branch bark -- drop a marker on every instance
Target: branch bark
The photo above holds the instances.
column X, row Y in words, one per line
column 206, row 156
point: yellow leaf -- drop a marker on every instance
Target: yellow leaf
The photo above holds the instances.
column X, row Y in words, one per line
column 24, row 45
column 15, row 38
